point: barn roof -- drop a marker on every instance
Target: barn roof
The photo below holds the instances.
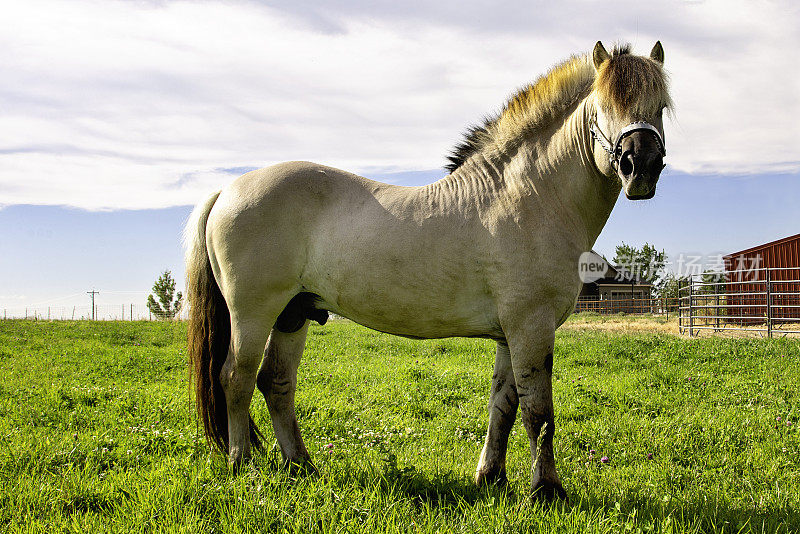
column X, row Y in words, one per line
column 765, row 245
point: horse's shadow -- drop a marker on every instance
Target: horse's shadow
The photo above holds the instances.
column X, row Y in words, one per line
column 448, row 489
column 711, row 516
column 441, row 490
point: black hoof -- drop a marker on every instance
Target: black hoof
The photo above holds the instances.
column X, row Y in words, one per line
column 239, row 463
column 489, row 478
column 548, row 492
column 300, row 467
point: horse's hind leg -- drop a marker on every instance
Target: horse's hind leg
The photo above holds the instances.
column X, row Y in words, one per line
column 503, row 403
column 277, row 380
column 238, row 379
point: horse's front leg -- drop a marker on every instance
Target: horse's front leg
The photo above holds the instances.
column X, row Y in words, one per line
column 503, row 404
column 531, row 345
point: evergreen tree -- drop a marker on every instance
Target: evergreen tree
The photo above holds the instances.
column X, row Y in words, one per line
column 166, row 307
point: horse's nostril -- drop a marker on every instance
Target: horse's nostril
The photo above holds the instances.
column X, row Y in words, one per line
column 656, row 165
column 626, row 164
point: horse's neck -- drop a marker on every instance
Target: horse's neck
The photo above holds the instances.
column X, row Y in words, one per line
column 469, row 190
column 548, row 175
column 559, row 170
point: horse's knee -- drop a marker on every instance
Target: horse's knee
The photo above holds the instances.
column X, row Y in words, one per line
column 279, row 395
column 278, row 373
column 275, row 380
column 236, row 380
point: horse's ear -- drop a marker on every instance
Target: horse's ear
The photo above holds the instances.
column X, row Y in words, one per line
column 599, row 55
column 657, row 53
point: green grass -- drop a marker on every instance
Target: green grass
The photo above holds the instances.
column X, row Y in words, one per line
column 98, row 434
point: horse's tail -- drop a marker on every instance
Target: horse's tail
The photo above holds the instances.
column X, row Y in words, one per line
column 209, row 331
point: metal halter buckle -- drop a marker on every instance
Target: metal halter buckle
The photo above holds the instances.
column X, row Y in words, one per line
column 615, row 149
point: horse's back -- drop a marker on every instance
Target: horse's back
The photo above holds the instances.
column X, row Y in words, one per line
column 301, row 180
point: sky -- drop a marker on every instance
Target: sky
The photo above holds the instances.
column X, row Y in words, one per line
column 117, row 116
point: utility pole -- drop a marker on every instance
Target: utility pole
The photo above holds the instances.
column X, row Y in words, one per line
column 93, row 293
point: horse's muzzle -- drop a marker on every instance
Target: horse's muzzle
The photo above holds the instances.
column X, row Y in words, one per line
column 640, row 165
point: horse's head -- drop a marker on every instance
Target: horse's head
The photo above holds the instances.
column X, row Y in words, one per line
column 630, row 94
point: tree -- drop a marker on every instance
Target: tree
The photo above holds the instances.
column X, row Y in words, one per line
column 712, row 282
column 645, row 264
column 164, row 288
column 669, row 289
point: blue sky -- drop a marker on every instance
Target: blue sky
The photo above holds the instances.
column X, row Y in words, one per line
column 54, row 254
column 117, row 116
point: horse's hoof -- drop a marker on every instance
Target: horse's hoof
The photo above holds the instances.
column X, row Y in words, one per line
column 237, row 460
column 545, row 492
column 239, row 466
column 300, row 467
column 491, row 478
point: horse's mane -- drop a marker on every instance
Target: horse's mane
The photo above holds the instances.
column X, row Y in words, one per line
column 626, row 83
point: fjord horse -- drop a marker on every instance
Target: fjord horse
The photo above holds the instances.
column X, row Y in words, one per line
column 491, row 250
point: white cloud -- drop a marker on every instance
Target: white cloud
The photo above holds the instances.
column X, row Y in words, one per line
column 123, row 104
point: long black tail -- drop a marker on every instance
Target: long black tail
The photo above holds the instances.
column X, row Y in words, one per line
column 209, row 333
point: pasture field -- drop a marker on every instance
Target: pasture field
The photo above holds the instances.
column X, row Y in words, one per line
column 654, row 433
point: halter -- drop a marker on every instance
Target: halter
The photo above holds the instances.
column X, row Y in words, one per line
column 615, row 150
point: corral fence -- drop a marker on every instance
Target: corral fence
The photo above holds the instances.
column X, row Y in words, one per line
column 765, row 301
column 652, row 306
column 138, row 312
column 101, row 312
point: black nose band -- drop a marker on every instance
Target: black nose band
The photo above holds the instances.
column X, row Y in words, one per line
column 615, row 149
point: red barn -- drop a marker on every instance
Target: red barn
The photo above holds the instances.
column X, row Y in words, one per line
column 762, row 274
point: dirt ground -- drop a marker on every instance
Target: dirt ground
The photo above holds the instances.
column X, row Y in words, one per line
column 622, row 323
column 659, row 324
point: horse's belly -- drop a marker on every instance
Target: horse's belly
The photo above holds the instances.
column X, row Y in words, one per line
column 428, row 328
column 418, row 316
